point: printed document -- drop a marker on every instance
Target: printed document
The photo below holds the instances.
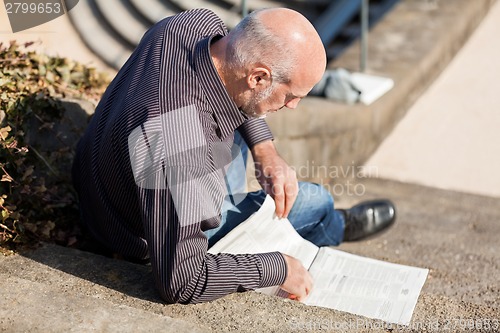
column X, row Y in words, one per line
column 342, row 281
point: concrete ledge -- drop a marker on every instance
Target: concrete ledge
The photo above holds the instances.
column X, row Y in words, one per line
column 411, row 45
column 56, row 289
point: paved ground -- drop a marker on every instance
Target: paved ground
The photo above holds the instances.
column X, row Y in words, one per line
column 58, row 289
column 449, row 138
column 57, row 38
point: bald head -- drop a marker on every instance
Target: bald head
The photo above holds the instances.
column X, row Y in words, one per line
column 281, row 39
column 270, row 60
column 297, row 34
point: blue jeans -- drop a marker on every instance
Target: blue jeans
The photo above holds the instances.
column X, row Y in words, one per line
column 312, row 215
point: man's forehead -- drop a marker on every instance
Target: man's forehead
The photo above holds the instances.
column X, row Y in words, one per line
column 298, row 90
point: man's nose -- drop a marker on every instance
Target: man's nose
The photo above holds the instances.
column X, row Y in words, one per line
column 292, row 104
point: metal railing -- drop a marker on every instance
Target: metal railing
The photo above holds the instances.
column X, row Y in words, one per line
column 364, row 35
column 364, row 30
column 244, row 8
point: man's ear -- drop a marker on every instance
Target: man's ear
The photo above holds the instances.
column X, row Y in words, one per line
column 259, row 78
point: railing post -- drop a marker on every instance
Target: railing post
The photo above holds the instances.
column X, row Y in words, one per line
column 364, row 34
column 244, row 8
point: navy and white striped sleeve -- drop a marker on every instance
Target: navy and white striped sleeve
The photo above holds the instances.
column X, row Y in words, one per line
column 255, row 130
column 183, row 270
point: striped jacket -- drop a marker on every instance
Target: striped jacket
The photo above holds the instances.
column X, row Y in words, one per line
column 149, row 169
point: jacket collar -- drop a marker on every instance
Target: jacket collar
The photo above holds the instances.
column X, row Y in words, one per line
column 226, row 113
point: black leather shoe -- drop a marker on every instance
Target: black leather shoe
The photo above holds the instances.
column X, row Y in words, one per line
column 368, row 218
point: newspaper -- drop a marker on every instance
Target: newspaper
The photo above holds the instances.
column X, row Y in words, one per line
column 342, row 281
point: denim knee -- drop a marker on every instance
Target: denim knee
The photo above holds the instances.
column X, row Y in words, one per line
column 313, row 201
column 316, row 195
column 314, row 217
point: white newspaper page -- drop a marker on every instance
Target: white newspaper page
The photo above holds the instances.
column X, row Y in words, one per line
column 264, row 232
column 364, row 286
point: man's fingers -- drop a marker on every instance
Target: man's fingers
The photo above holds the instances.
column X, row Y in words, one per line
column 281, row 183
column 298, row 282
column 279, row 199
column 304, row 294
column 291, row 191
column 284, row 196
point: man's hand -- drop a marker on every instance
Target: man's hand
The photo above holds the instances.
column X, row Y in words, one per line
column 298, row 281
column 275, row 176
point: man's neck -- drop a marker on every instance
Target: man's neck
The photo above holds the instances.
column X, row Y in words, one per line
column 218, row 51
column 218, row 55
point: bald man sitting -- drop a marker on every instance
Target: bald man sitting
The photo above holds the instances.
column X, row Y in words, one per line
column 158, row 168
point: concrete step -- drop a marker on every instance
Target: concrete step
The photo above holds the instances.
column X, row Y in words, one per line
column 123, row 19
column 56, row 289
column 96, row 36
column 229, row 16
column 256, row 4
column 411, row 45
column 154, row 10
column 453, row 234
column 112, row 28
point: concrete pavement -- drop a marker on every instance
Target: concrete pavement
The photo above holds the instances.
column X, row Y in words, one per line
column 56, row 289
column 450, row 137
